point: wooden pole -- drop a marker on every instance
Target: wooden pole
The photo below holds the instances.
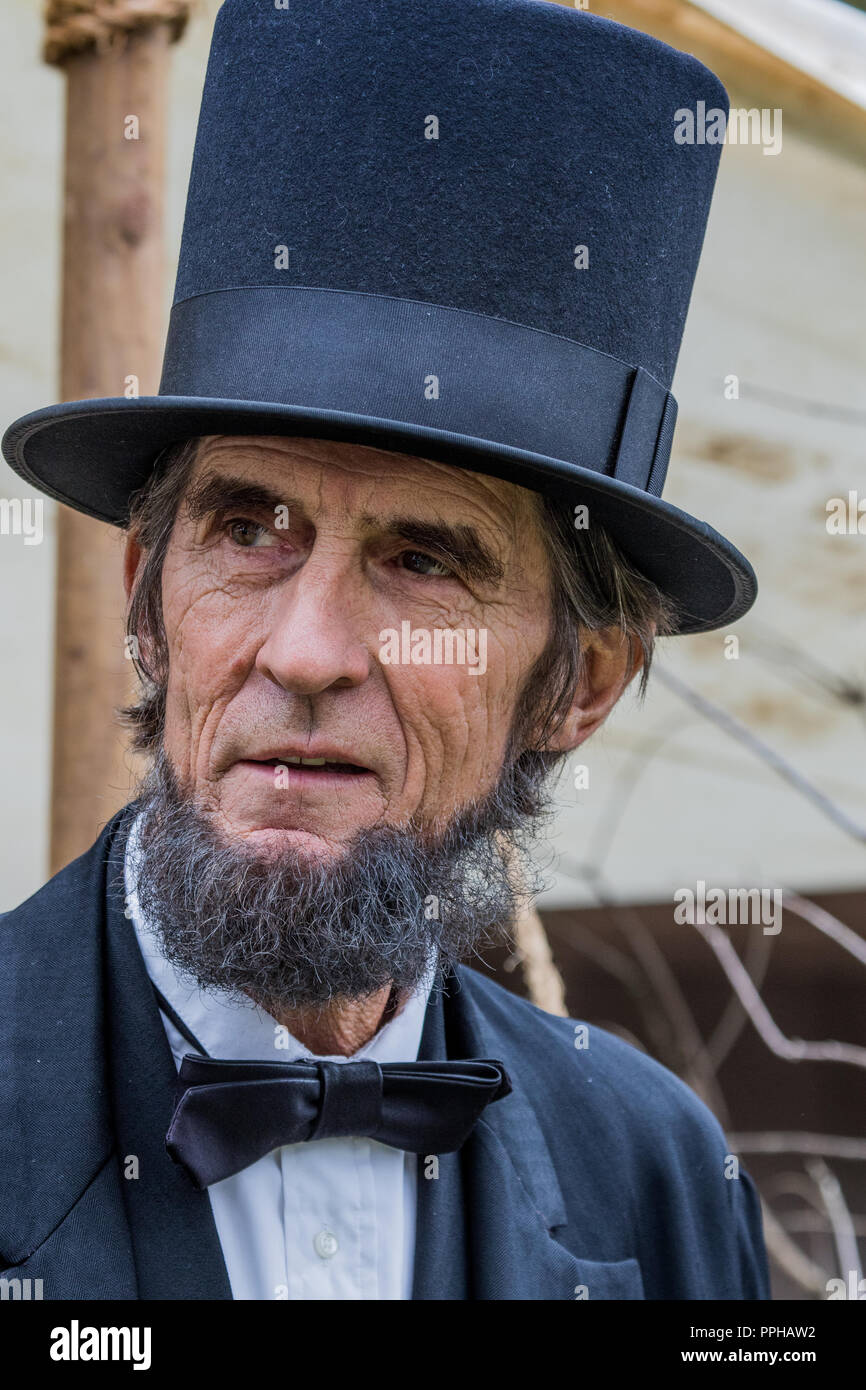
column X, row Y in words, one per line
column 115, row 56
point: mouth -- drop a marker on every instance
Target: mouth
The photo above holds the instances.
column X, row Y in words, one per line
column 296, row 767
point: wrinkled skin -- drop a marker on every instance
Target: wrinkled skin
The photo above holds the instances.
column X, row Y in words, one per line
column 273, row 623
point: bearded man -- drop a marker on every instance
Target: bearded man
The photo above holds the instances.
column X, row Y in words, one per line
column 435, row 268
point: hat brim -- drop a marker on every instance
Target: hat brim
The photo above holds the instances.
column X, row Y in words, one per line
column 93, row 455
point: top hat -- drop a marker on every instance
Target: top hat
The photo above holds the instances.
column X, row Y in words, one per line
column 466, row 231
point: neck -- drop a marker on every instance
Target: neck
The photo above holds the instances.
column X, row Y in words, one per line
column 340, row 1028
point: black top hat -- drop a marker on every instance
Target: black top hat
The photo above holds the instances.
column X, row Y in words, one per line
column 466, row 231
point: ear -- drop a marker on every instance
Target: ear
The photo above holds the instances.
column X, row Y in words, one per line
column 133, row 556
column 609, row 665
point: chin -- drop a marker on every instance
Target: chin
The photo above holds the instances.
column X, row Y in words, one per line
column 275, row 841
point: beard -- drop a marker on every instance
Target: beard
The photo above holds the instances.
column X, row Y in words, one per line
column 291, row 933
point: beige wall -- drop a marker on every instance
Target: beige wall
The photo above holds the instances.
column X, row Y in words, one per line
column 780, row 303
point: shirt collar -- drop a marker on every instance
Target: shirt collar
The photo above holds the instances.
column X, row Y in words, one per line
column 241, row 1030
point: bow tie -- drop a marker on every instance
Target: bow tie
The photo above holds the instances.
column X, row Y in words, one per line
column 228, row 1114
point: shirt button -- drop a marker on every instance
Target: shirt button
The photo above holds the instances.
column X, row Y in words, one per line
column 326, row 1244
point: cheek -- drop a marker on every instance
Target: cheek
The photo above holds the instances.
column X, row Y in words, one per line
column 212, row 642
column 456, row 723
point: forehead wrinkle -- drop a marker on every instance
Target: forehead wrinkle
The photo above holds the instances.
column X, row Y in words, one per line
column 364, row 462
column 344, row 455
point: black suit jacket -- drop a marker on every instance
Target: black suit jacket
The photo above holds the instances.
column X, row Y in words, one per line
column 600, row 1176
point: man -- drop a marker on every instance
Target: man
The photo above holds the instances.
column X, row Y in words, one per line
column 395, row 547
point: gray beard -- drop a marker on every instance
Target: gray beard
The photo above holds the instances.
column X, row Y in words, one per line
column 293, row 934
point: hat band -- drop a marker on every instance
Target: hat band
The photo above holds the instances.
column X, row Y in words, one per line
column 426, row 365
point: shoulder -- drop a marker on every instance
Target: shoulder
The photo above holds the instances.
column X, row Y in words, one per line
column 47, row 942
column 643, row 1163
column 64, row 889
column 572, row 1068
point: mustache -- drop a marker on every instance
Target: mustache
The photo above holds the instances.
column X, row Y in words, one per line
column 274, row 735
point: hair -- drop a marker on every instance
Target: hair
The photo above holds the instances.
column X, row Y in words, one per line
column 594, row 586
column 153, row 511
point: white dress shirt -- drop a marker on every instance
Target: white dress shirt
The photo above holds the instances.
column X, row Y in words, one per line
column 329, row 1219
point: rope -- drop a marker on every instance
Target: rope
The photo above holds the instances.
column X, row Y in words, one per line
column 544, row 984
column 73, row 26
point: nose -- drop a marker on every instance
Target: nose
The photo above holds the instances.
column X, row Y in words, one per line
column 314, row 643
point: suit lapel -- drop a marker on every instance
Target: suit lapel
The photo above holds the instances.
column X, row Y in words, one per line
column 441, row 1248
column 511, row 1208
column 174, row 1238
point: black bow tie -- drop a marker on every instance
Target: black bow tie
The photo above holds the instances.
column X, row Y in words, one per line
column 229, row 1114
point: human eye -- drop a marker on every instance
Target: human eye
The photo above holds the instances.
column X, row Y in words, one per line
column 247, row 534
column 417, row 562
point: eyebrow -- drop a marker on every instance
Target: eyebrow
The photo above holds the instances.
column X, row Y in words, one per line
column 459, row 545
column 216, row 492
